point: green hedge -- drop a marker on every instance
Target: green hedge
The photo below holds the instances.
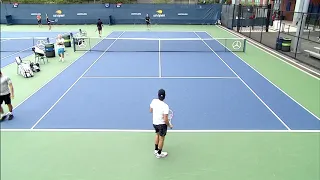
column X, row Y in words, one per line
column 71, row 1
column 99, row 1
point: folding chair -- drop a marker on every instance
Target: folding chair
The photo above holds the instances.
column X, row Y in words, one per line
column 39, row 55
column 25, row 67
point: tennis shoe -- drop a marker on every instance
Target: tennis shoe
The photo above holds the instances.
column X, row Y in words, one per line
column 162, row 155
column 155, row 152
column 3, row 117
column 10, row 117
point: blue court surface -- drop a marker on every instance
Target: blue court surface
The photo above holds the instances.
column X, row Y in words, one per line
column 15, row 44
column 206, row 91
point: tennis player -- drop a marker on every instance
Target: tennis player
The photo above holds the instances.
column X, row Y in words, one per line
column 160, row 111
column 48, row 22
column 60, row 46
column 6, row 94
column 99, row 26
column 39, row 20
column 148, row 21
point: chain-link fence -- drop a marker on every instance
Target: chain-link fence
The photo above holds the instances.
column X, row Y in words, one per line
column 294, row 34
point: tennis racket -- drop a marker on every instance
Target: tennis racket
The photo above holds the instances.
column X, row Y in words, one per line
column 170, row 116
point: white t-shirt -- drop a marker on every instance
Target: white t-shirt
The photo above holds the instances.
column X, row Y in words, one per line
column 159, row 109
column 5, row 82
column 60, row 41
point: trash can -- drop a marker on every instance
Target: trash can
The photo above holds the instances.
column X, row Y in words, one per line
column 110, row 20
column 286, row 47
column 67, row 40
column 9, row 19
column 49, row 50
column 279, row 43
column 287, row 40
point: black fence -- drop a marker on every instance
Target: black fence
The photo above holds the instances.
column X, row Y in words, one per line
column 280, row 30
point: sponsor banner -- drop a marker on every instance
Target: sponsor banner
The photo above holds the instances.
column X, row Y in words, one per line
column 35, row 14
column 159, row 14
column 183, row 14
column 135, row 14
column 82, row 14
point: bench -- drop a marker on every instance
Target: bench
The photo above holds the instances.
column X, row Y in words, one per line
column 313, row 54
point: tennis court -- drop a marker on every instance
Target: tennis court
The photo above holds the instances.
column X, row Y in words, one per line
column 92, row 120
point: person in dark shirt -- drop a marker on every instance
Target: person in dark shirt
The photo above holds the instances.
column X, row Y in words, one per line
column 48, row 22
column 148, row 21
column 99, row 26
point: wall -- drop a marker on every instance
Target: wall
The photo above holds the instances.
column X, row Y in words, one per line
column 126, row 14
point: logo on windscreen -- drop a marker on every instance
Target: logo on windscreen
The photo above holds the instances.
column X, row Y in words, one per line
column 236, row 45
column 59, row 14
column 159, row 14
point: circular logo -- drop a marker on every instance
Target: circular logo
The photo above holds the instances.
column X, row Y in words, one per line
column 81, row 43
column 41, row 44
column 236, row 45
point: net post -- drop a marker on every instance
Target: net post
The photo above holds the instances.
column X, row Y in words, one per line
column 244, row 45
column 74, row 44
column 159, row 44
column 225, row 45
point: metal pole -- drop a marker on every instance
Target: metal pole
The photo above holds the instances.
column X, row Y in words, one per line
column 301, row 25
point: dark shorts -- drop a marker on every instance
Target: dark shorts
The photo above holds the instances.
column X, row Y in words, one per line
column 99, row 28
column 6, row 99
column 49, row 23
column 148, row 22
column 39, row 21
column 161, row 129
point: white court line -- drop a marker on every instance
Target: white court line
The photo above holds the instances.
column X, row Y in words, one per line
column 160, row 66
column 152, row 131
column 247, row 86
column 273, row 83
column 167, row 31
column 261, row 47
column 155, row 77
column 74, row 84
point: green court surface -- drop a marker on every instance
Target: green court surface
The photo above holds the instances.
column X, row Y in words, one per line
column 123, row 155
column 96, row 155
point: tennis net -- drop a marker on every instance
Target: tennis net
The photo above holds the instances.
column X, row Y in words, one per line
column 159, row 45
column 21, row 44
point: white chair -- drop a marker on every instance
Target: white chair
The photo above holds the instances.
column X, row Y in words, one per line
column 39, row 55
column 23, row 68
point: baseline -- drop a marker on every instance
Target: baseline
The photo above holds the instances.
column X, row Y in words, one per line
column 152, row 131
column 155, row 77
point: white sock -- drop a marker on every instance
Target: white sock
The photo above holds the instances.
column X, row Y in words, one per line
column 9, row 113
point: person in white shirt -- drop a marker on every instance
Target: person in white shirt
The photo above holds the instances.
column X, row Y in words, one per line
column 60, row 47
column 160, row 111
column 6, row 94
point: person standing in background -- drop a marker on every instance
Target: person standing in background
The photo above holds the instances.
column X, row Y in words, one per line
column 99, row 27
column 39, row 20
